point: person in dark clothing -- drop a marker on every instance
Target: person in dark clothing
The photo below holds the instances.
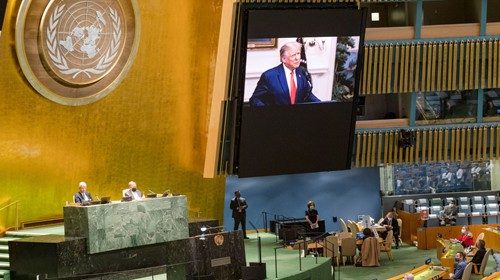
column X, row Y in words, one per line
column 239, row 205
column 477, row 259
column 312, row 216
column 391, row 223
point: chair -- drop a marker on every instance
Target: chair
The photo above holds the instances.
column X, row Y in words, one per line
column 433, row 220
column 477, row 200
column 409, row 205
column 353, row 227
column 370, row 252
column 492, row 213
column 332, row 248
column 343, row 224
column 463, row 215
column 436, row 201
column 124, row 192
column 448, row 199
column 476, row 216
column 484, row 262
column 422, row 202
column 380, row 220
column 387, row 245
column 467, row 272
column 480, row 237
column 463, row 201
column 348, row 248
column 490, row 199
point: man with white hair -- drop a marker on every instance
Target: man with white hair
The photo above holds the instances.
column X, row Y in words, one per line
column 82, row 195
column 133, row 192
column 285, row 84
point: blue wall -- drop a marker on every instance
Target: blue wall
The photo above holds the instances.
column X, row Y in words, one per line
column 344, row 194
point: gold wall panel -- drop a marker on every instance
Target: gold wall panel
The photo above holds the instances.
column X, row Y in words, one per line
column 431, row 145
column 151, row 129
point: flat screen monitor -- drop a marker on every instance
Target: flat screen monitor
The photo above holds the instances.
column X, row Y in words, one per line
column 295, row 83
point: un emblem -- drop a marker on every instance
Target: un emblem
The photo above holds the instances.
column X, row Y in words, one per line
column 83, row 47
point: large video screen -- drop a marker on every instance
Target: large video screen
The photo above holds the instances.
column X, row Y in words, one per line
column 296, row 83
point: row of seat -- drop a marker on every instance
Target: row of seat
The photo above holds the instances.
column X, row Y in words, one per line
column 437, row 201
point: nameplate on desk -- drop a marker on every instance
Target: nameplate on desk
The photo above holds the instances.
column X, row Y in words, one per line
column 221, row 261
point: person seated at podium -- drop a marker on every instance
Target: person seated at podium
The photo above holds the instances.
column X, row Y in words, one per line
column 312, row 217
column 477, row 259
column 82, row 196
column 391, row 223
column 449, row 214
column 465, row 237
column 133, row 192
column 460, row 265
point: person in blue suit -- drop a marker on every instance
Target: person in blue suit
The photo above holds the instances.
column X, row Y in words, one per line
column 285, row 84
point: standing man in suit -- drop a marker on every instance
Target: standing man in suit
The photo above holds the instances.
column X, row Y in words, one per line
column 239, row 205
column 82, row 195
column 285, row 84
column 133, row 191
column 391, row 223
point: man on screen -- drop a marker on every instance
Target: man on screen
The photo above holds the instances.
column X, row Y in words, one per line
column 285, row 84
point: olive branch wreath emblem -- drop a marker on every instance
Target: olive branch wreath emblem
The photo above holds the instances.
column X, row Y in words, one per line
column 60, row 61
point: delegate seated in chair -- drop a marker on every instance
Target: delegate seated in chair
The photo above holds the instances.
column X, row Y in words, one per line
column 449, row 214
column 370, row 251
column 478, row 257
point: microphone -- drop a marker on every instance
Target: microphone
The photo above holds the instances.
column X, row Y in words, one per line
column 150, row 191
column 308, row 76
column 428, row 261
column 98, row 198
column 253, row 226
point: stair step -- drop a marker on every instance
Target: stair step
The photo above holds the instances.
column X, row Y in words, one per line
column 4, row 249
column 22, row 234
column 4, row 265
column 5, row 274
column 5, row 240
column 4, row 257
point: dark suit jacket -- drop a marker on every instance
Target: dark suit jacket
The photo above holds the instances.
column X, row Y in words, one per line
column 79, row 197
column 235, row 202
column 394, row 224
column 272, row 88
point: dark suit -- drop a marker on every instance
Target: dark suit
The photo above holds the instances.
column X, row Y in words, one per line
column 239, row 216
column 272, row 88
column 79, row 197
column 395, row 229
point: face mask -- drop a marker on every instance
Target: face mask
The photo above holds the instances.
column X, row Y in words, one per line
column 457, row 259
column 134, row 189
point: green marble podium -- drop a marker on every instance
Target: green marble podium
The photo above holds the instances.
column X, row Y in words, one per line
column 122, row 225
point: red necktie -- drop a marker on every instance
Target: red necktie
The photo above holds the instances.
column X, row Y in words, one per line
column 293, row 87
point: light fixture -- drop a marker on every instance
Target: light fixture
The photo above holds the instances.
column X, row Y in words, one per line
column 375, row 17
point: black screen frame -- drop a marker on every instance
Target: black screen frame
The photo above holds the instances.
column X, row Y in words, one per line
column 245, row 30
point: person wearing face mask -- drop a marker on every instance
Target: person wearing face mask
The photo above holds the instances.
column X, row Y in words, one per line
column 460, row 265
column 312, row 216
column 465, row 237
column 133, row 192
column 391, row 223
column 239, row 207
column 449, row 214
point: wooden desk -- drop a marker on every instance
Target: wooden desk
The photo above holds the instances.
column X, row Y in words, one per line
column 494, row 276
column 423, row 272
column 427, row 235
column 360, row 241
column 492, row 238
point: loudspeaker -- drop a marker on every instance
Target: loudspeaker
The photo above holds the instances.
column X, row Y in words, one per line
column 406, row 138
column 256, row 271
column 3, row 5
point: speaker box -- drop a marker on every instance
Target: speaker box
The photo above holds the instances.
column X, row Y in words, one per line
column 256, row 271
